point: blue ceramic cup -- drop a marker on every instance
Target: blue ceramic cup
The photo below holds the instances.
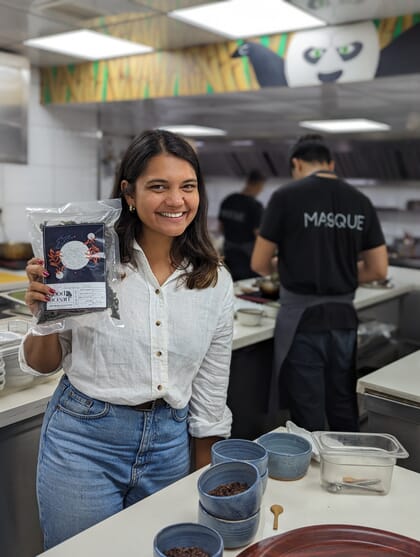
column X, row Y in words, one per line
column 188, row 534
column 240, row 449
column 289, row 455
column 231, row 507
column 235, row 533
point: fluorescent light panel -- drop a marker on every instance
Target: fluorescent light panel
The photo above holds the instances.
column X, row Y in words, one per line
column 88, row 45
column 347, row 125
column 193, row 131
column 248, row 18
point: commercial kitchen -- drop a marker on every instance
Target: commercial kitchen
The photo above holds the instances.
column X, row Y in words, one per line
column 65, row 120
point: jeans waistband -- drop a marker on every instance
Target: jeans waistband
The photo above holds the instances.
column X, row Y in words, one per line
column 149, row 405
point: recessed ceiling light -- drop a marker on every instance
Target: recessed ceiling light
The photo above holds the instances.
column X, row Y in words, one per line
column 89, row 45
column 248, row 18
column 193, row 131
column 347, row 125
column 242, row 143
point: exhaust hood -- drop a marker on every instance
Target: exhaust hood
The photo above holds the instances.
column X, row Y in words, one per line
column 14, row 99
column 390, row 160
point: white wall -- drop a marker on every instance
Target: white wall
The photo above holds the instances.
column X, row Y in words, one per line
column 62, row 164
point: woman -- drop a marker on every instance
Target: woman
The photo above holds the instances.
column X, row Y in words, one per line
column 118, row 426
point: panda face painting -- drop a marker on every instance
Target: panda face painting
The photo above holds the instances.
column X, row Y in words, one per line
column 333, row 54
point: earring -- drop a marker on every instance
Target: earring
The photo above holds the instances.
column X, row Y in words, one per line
column 131, row 208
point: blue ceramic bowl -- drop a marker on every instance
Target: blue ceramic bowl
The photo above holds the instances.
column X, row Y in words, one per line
column 240, row 449
column 289, row 455
column 231, row 507
column 264, row 480
column 235, row 533
column 188, row 534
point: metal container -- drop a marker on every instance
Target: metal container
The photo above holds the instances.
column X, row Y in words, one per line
column 15, row 250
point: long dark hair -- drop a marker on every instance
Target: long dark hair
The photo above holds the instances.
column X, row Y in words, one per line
column 194, row 245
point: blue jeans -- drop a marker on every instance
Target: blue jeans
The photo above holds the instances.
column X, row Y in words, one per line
column 97, row 458
column 320, row 377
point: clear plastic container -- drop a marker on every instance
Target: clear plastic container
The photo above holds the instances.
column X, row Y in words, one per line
column 358, row 463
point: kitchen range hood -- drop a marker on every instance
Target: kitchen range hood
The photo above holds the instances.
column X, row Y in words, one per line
column 390, row 160
column 14, row 100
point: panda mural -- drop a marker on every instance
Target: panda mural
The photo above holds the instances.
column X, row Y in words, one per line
column 339, row 54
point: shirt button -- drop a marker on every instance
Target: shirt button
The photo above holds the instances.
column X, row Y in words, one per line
column 158, row 353
column 159, row 387
column 157, row 291
column 158, row 323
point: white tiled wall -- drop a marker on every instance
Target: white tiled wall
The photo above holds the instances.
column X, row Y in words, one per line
column 61, row 167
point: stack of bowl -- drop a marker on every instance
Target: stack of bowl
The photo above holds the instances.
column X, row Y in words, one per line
column 233, row 513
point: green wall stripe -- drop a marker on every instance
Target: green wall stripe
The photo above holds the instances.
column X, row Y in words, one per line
column 71, row 68
column 246, row 69
column 398, row 27
column 377, row 22
column 265, row 41
column 95, row 69
column 282, row 45
column 46, row 94
column 176, row 87
column 104, row 91
column 54, row 71
column 416, row 19
column 68, row 94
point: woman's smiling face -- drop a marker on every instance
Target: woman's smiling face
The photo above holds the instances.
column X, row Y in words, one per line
column 166, row 196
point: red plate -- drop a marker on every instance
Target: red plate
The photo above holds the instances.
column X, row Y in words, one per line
column 335, row 540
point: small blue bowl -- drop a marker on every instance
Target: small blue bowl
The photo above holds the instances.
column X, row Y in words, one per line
column 231, row 507
column 264, row 480
column 188, row 534
column 235, row 533
column 289, row 455
column 240, row 449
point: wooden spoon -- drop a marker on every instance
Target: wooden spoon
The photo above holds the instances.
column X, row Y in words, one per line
column 276, row 510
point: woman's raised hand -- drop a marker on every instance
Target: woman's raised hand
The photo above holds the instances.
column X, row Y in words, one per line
column 37, row 291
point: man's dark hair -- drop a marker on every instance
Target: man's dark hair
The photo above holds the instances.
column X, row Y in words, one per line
column 255, row 176
column 310, row 148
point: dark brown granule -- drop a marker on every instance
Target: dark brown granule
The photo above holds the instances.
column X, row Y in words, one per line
column 186, row 552
column 226, row 490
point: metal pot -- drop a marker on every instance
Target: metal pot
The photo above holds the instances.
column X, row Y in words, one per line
column 15, row 250
column 269, row 288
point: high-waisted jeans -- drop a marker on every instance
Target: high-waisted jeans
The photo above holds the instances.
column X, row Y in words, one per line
column 97, row 458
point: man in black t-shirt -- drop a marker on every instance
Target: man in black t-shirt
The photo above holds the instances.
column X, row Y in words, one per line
column 239, row 217
column 328, row 240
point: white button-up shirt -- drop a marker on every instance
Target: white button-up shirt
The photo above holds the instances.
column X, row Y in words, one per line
column 172, row 343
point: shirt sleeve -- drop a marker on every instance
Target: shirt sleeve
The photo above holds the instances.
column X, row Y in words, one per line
column 209, row 415
column 65, row 343
column 258, row 213
column 271, row 221
column 373, row 236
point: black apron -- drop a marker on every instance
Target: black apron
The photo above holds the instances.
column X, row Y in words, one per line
column 292, row 307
